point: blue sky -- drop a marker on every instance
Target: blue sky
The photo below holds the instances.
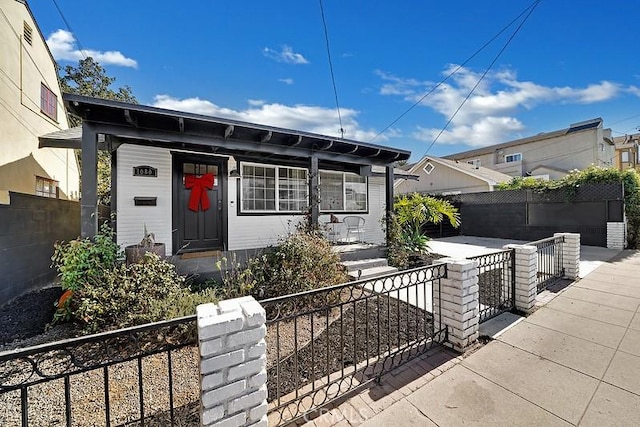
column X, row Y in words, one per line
column 266, row 62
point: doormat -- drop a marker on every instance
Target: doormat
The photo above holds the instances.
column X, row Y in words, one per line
column 203, row 254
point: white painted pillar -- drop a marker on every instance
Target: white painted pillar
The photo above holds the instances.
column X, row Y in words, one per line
column 232, row 363
column 526, row 273
column 459, row 307
column 616, row 235
column 570, row 254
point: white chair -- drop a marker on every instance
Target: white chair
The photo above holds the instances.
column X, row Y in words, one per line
column 354, row 224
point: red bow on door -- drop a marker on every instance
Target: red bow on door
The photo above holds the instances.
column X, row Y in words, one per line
column 198, row 187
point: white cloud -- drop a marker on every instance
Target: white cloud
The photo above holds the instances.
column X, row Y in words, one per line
column 488, row 116
column 287, row 81
column 635, row 90
column 62, row 45
column 286, row 55
column 308, row 118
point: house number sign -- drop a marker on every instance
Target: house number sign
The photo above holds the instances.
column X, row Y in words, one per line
column 145, row 171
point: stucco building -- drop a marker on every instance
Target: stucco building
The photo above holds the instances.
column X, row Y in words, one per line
column 548, row 155
column 31, row 106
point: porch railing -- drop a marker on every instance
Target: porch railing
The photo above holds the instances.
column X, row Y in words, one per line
column 550, row 261
column 326, row 342
column 106, row 378
column 496, row 282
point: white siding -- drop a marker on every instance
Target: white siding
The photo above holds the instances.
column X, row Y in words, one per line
column 244, row 231
column 132, row 219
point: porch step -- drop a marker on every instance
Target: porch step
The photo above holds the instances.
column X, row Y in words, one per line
column 373, row 272
column 368, row 268
column 363, row 264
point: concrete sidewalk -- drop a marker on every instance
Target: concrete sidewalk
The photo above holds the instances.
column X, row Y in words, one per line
column 575, row 361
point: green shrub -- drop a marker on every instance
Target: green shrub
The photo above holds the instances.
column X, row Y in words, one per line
column 302, row 262
column 397, row 252
column 144, row 292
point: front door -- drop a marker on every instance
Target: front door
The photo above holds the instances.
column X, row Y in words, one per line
column 198, row 207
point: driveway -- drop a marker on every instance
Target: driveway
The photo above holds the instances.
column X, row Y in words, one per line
column 591, row 257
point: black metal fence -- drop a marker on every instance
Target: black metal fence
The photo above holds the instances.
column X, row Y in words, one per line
column 138, row 375
column 496, row 282
column 324, row 343
column 550, row 261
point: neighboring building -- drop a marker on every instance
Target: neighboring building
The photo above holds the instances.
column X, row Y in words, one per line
column 627, row 151
column 201, row 183
column 30, row 106
column 547, row 155
column 443, row 176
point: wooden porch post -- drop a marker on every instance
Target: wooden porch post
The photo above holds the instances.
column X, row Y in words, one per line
column 314, row 190
column 389, row 197
column 89, row 200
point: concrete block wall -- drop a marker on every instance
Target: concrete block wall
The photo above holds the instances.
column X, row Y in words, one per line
column 616, row 235
column 526, row 272
column 459, row 303
column 570, row 254
column 233, row 374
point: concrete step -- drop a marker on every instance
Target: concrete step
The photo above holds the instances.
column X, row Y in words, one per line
column 363, row 264
column 370, row 273
column 358, row 252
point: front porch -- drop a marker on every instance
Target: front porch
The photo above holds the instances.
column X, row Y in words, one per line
column 202, row 266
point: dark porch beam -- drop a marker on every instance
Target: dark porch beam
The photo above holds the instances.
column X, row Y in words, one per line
column 297, row 141
column 228, row 131
column 266, row 137
column 237, row 145
column 130, row 119
column 314, row 190
column 89, row 200
column 389, row 198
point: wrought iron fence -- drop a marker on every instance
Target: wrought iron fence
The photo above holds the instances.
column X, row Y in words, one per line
column 496, row 283
column 550, row 262
column 324, row 343
column 105, row 379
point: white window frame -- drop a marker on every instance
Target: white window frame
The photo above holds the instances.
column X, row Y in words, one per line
column 511, row 158
column 344, row 192
column 624, row 154
column 428, row 168
column 277, row 209
column 51, row 190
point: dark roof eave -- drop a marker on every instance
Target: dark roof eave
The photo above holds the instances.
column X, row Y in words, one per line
column 102, row 112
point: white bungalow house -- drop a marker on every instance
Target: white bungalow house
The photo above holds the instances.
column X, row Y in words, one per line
column 202, row 183
column 436, row 175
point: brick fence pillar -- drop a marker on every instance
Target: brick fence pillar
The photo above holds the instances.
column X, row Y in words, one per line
column 526, row 273
column 570, row 254
column 616, row 235
column 459, row 303
column 233, row 373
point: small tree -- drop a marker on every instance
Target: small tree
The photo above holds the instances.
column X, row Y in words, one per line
column 89, row 78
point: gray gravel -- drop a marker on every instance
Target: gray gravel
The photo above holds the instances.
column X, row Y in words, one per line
column 46, row 400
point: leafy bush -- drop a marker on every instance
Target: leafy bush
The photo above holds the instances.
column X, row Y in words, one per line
column 303, row 261
column 629, row 178
column 411, row 214
column 144, row 292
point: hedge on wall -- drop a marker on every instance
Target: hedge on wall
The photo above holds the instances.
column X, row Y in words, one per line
column 630, row 179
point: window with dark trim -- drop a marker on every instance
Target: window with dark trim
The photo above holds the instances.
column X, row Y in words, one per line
column 268, row 188
column 48, row 102
column 46, row 187
column 516, row 157
column 346, row 192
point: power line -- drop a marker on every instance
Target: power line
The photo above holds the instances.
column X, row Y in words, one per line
column 70, row 30
column 448, row 76
column 531, row 9
column 333, row 79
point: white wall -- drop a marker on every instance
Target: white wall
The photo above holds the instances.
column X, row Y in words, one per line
column 23, row 68
column 244, row 231
column 131, row 219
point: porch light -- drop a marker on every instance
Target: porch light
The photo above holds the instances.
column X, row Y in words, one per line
column 234, row 174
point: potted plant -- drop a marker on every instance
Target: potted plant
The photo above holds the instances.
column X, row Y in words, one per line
column 135, row 253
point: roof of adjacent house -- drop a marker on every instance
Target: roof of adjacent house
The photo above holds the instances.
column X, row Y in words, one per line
column 574, row 127
column 485, row 174
column 146, row 125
